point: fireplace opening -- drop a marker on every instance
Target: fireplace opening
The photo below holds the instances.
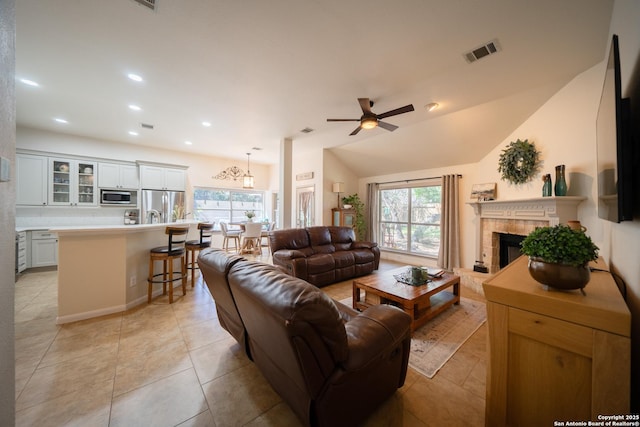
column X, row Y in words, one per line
column 509, row 248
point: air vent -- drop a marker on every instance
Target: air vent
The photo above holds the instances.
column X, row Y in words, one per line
column 482, row 51
column 306, row 130
column 151, row 4
column 146, row 125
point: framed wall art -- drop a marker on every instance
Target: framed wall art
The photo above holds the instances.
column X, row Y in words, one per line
column 483, row 192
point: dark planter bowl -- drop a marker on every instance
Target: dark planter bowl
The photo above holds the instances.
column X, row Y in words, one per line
column 560, row 276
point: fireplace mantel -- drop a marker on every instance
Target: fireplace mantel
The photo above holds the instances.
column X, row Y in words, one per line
column 556, row 210
column 517, row 217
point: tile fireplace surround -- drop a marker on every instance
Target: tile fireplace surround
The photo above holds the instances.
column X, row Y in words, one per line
column 517, row 217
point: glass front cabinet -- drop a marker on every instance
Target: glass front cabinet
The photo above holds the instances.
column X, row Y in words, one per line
column 344, row 217
column 72, row 182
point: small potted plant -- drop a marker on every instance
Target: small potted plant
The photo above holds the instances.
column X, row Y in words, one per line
column 354, row 202
column 250, row 215
column 559, row 256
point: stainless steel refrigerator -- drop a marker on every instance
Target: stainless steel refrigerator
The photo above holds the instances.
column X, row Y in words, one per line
column 160, row 206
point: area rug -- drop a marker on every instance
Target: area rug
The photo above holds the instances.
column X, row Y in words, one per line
column 433, row 344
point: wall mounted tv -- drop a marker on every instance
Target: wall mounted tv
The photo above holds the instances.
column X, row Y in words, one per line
column 615, row 148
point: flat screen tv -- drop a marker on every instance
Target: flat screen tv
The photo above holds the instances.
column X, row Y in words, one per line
column 614, row 146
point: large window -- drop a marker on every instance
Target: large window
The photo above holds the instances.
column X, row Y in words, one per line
column 217, row 204
column 410, row 219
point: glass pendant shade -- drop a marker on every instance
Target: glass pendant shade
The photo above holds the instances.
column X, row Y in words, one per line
column 247, row 179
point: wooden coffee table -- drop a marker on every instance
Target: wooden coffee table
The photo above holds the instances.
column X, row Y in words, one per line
column 422, row 303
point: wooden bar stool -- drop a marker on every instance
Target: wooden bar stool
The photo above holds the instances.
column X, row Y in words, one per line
column 168, row 254
column 193, row 246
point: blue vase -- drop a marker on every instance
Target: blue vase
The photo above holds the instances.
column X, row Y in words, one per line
column 561, row 183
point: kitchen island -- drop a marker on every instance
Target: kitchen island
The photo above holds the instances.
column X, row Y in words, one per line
column 103, row 269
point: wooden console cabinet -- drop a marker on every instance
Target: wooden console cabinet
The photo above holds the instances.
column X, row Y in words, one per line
column 555, row 355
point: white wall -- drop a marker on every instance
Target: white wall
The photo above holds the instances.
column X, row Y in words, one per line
column 307, row 157
column 563, row 130
column 335, row 171
column 7, row 212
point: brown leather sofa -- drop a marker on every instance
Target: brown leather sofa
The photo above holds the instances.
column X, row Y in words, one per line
column 324, row 254
column 214, row 266
column 332, row 365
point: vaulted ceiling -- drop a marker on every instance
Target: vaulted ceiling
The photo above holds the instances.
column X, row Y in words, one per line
column 260, row 71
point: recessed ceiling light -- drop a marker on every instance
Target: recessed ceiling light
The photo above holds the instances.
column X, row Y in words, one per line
column 30, row 82
column 206, row 124
column 134, row 77
column 188, row 142
column 431, row 106
column 59, row 120
column 133, row 133
column 134, row 107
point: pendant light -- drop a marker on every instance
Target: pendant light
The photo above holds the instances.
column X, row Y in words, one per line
column 247, row 179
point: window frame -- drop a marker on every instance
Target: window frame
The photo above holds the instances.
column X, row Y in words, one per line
column 235, row 213
column 409, row 223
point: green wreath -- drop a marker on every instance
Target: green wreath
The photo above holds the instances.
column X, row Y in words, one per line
column 519, row 162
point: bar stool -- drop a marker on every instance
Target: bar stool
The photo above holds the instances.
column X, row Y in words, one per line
column 168, row 254
column 229, row 234
column 193, row 246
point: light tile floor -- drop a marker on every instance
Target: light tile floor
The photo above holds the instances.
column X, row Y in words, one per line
column 173, row 365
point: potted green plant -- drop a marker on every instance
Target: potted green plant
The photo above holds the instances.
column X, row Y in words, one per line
column 559, row 256
column 358, row 206
column 250, row 215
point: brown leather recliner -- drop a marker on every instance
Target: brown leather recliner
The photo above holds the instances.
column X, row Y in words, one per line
column 215, row 265
column 332, row 365
column 322, row 255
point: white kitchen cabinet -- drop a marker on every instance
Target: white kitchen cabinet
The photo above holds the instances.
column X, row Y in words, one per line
column 162, row 178
column 118, row 176
column 72, row 182
column 31, row 180
column 44, row 249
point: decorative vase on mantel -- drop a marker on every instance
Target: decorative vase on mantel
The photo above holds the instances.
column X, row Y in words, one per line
column 546, row 187
column 561, row 183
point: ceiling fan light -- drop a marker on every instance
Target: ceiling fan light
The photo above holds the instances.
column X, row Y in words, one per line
column 369, row 123
column 431, row 106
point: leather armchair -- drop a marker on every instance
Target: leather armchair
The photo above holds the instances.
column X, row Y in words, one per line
column 332, row 365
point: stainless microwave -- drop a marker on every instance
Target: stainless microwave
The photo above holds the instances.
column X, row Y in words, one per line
column 109, row 197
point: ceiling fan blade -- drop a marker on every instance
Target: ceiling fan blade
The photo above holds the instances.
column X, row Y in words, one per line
column 401, row 110
column 387, row 126
column 343, row 120
column 358, row 129
column 365, row 104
